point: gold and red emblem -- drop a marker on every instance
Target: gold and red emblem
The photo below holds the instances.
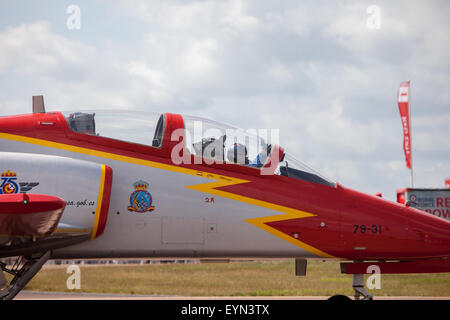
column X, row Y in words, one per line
column 141, row 200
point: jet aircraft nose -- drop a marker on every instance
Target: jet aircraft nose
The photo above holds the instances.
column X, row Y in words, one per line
column 431, row 232
column 376, row 228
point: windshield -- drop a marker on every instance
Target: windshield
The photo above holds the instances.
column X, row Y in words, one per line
column 293, row 168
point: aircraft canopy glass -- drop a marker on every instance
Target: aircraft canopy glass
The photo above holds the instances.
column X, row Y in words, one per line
column 143, row 128
column 293, row 168
column 221, row 143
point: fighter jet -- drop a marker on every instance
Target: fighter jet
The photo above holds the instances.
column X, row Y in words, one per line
column 92, row 184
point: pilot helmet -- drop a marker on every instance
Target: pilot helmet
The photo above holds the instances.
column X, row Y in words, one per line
column 237, row 154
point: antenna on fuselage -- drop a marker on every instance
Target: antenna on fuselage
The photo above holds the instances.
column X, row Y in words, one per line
column 38, row 104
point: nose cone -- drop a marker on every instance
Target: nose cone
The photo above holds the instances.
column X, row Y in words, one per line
column 431, row 233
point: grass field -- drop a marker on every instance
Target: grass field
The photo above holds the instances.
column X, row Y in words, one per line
column 259, row 278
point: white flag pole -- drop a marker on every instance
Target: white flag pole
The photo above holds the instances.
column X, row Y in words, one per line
column 410, row 132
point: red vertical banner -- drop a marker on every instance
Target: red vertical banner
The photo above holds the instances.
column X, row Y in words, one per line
column 403, row 106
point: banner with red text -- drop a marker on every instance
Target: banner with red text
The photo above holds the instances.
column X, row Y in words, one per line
column 403, row 106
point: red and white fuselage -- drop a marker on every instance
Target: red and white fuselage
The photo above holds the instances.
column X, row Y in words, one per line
column 135, row 201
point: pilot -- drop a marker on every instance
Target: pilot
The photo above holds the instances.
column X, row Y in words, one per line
column 261, row 157
column 238, row 154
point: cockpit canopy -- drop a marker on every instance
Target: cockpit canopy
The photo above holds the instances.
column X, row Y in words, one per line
column 225, row 143
column 212, row 141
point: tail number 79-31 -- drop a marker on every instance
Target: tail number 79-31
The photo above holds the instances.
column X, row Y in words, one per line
column 362, row 228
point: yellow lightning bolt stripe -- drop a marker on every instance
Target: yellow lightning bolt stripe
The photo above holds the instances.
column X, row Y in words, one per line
column 289, row 213
column 209, row 187
column 262, row 223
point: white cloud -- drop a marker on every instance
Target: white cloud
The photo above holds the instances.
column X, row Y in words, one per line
column 198, row 62
column 279, row 72
column 145, row 78
column 34, row 50
column 206, row 16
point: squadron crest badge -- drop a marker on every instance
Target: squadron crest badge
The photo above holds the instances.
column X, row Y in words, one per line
column 141, row 200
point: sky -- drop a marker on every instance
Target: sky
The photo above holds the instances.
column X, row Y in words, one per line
column 325, row 73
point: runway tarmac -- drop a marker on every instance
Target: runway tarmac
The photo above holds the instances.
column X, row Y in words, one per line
column 35, row 295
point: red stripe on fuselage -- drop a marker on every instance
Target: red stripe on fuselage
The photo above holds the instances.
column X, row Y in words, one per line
column 105, row 201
